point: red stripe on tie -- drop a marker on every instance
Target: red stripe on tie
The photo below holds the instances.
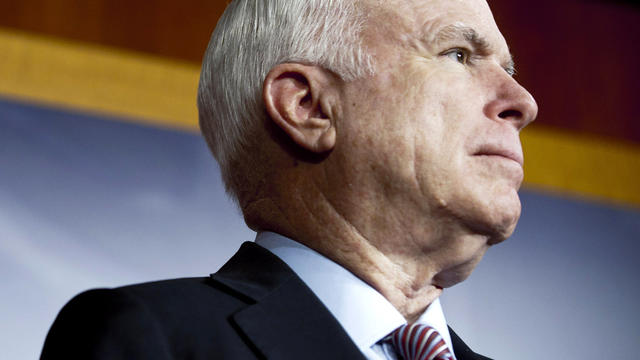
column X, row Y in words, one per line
column 407, row 338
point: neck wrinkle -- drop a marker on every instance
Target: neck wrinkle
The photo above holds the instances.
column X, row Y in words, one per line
column 410, row 293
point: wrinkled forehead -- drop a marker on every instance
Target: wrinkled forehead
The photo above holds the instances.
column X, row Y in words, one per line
column 427, row 19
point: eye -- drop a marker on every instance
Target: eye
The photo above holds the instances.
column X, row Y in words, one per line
column 459, row 55
column 511, row 71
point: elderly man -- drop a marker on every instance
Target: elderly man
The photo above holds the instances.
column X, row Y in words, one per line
column 373, row 145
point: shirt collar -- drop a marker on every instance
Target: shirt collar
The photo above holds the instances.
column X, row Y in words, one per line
column 366, row 315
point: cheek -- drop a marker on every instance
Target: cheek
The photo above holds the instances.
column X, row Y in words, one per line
column 441, row 136
column 438, row 135
column 377, row 135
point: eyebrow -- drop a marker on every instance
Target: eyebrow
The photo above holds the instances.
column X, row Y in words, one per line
column 470, row 35
column 454, row 32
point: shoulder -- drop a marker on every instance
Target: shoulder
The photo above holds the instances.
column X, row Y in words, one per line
column 149, row 320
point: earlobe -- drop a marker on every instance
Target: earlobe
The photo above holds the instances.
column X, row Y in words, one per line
column 293, row 96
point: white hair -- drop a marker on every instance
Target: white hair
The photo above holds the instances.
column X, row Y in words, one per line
column 253, row 36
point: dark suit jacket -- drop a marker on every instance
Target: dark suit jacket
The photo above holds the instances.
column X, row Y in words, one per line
column 253, row 307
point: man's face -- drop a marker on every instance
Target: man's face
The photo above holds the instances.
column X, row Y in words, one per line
column 435, row 132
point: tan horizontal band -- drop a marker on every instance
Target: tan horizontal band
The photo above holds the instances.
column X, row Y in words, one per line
column 150, row 89
column 162, row 92
column 585, row 165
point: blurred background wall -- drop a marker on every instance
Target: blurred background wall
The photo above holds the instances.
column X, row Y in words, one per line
column 105, row 181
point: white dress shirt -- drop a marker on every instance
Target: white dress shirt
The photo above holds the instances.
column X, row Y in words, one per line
column 366, row 315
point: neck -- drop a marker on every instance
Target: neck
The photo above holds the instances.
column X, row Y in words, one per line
column 409, row 264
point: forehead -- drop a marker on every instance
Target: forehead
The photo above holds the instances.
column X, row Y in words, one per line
column 426, row 19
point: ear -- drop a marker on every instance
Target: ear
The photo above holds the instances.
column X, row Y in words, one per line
column 295, row 98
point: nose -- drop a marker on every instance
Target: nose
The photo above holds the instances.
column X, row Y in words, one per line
column 512, row 103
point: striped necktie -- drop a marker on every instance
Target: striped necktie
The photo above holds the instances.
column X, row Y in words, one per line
column 420, row 342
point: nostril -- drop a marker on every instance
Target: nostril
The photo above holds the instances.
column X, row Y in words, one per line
column 510, row 114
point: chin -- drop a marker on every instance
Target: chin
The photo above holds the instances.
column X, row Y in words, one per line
column 493, row 215
column 501, row 234
column 502, row 224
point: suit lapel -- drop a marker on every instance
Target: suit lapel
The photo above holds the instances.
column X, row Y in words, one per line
column 284, row 319
column 462, row 351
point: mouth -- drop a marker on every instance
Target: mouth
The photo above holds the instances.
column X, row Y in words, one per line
column 501, row 152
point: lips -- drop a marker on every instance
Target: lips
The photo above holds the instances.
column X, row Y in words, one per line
column 502, row 151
